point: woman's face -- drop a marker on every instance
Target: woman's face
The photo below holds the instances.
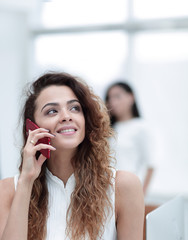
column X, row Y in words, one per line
column 120, row 102
column 58, row 109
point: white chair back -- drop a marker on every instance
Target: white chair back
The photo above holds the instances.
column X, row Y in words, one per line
column 169, row 221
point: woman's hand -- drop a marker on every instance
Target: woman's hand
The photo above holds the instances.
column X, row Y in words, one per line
column 14, row 205
column 31, row 167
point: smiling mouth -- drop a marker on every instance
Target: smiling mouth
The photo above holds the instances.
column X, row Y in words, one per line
column 67, row 130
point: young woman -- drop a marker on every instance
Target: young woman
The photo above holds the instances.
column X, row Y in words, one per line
column 74, row 194
column 134, row 142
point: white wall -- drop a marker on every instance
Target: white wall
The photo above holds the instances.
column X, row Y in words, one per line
column 162, row 93
column 13, row 48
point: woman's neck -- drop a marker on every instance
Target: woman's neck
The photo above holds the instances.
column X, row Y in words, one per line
column 60, row 165
column 125, row 117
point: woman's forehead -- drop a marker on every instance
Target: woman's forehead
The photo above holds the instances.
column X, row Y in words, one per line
column 117, row 90
column 56, row 92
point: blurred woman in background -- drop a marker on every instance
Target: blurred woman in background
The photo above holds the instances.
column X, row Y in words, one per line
column 133, row 143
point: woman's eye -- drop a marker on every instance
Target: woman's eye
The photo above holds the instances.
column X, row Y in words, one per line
column 76, row 108
column 52, row 111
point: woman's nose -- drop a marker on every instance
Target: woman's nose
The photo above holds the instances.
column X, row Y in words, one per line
column 65, row 116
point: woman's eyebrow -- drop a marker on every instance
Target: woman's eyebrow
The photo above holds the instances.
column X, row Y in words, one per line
column 50, row 104
column 57, row 104
column 72, row 101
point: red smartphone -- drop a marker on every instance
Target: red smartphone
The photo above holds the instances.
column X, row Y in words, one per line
column 46, row 140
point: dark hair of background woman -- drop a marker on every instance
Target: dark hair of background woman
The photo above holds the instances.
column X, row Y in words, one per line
column 128, row 89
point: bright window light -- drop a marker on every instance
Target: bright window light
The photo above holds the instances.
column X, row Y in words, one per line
column 83, row 12
column 160, row 8
column 96, row 57
column 161, row 46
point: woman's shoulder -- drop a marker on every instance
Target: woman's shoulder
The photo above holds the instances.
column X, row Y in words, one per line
column 128, row 190
column 7, row 190
column 129, row 197
column 129, row 206
column 127, row 181
column 7, row 182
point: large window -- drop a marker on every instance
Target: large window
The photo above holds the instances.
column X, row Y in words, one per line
column 96, row 57
column 83, row 37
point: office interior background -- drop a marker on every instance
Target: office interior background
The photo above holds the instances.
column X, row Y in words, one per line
column 142, row 41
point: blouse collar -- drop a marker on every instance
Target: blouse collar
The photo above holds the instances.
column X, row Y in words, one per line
column 52, row 178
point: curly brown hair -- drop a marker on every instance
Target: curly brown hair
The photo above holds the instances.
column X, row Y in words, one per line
column 90, row 203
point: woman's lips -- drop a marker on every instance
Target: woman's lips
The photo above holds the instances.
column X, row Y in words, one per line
column 67, row 130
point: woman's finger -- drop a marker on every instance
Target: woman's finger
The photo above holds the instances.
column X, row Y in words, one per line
column 41, row 160
column 38, row 130
column 40, row 146
column 34, row 137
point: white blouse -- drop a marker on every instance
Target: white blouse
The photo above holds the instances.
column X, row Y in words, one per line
column 59, row 200
column 133, row 147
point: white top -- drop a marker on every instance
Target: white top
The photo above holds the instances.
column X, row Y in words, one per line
column 59, row 200
column 133, row 147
